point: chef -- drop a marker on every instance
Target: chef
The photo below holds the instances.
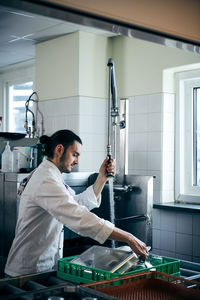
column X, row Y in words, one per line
column 47, row 204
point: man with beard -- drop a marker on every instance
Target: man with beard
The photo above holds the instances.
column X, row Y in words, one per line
column 46, row 205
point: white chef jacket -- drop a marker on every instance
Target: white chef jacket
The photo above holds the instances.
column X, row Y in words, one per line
column 45, row 205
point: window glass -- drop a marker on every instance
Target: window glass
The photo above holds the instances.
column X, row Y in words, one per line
column 18, row 94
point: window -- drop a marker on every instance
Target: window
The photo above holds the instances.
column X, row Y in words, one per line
column 17, row 95
column 196, row 136
column 187, row 185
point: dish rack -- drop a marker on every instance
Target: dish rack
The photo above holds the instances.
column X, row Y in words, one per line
column 148, row 286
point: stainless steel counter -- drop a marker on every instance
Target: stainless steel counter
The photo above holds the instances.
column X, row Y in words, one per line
column 9, row 202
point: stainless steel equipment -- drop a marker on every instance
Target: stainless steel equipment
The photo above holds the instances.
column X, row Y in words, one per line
column 133, row 205
column 9, row 202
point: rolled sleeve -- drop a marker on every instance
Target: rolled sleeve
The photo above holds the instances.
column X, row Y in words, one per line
column 88, row 198
column 105, row 232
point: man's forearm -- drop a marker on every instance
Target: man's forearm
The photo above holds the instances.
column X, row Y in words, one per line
column 120, row 235
column 136, row 245
column 98, row 186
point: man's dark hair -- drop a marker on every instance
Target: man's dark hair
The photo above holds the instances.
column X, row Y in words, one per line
column 64, row 137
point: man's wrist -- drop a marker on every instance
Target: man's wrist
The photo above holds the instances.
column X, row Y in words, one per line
column 101, row 179
column 130, row 238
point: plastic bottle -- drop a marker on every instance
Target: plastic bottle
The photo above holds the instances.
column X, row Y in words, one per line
column 16, row 157
column 7, row 159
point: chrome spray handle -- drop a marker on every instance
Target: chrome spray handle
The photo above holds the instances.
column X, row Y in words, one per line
column 109, row 174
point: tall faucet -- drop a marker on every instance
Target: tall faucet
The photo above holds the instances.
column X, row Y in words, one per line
column 26, row 125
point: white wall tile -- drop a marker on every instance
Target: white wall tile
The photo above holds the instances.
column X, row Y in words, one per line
column 131, row 141
column 140, row 123
column 42, row 106
column 155, row 102
column 61, row 122
column 154, row 141
column 93, row 106
column 92, row 124
column 155, row 161
column 140, row 160
column 73, row 123
column 131, row 125
column 49, row 125
column 154, row 122
column 141, row 104
column 93, row 142
column 140, row 142
column 131, row 106
column 91, row 161
column 57, row 114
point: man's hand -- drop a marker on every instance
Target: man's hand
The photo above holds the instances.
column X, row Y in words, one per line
column 102, row 177
column 107, row 166
column 136, row 245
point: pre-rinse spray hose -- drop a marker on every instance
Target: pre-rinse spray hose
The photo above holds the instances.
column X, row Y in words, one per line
column 113, row 110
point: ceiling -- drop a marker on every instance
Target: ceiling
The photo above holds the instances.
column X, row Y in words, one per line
column 20, row 31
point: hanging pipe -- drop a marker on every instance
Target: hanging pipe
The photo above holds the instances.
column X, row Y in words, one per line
column 113, row 111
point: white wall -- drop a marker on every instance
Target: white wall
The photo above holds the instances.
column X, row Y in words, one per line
column 57, row 67
column 72, row 65
column 140, row 65
column 94, row 51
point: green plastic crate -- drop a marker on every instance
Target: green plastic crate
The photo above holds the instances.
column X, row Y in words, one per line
column 82, row 274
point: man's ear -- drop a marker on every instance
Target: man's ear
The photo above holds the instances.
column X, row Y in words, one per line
column 59, row 150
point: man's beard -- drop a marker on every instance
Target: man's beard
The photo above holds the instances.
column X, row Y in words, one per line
column 62, row 166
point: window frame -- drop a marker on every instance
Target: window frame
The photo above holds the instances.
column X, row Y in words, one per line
column 8, row 104
column 22, row 72
column 184, row 189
